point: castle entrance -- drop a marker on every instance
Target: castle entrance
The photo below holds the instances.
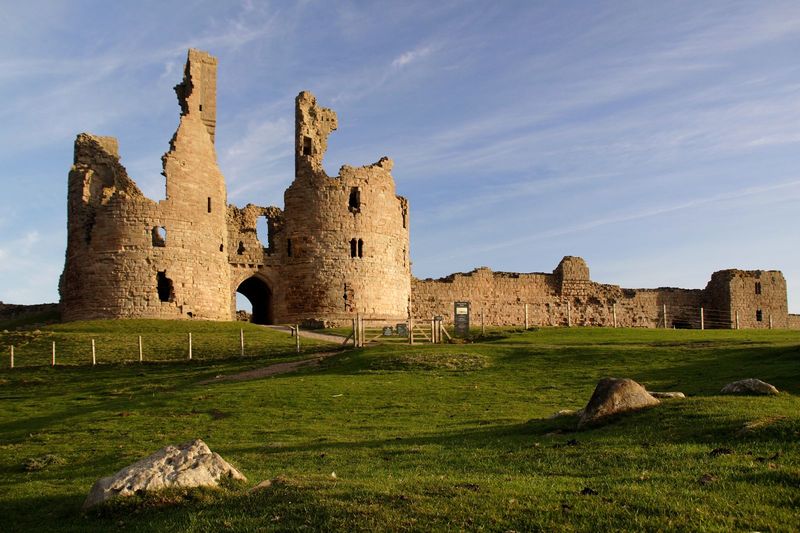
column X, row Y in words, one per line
column 259, row 294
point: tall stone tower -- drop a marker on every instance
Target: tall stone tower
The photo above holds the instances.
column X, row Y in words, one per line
column 128, row 256
column 345, row 239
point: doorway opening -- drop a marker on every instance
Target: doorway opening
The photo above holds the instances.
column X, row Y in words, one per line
column 258, row 293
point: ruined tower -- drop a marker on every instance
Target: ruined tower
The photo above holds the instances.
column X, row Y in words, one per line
column 345, row 239
column 128, row 256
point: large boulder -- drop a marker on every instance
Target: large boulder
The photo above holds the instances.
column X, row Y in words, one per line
column 614, row 396
column 749, row 386
column 191, row 464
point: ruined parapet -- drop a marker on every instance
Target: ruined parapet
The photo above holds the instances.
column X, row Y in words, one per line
column 345, row 243
column 313, row 124
column 573, row 275
column 197, row 93
column 749, row 298
column 130, row 257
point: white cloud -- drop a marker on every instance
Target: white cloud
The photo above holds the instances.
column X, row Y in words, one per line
column 412, row 55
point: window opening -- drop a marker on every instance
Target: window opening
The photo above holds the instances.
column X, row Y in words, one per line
column 221, row 247
column 353, row 248
column 164, row 287
column 354, row 203
column 289, row 247
column 759, row 316
column 758, row 287
column 405, row 219
column 349, row 298
column 209, row 204
column 262, row 231
column 240, row 250
column 307, row 149
column 360, row 248
column 159, row 234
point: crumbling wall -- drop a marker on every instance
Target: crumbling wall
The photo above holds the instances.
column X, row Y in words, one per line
column 130, row 257
column 565, row 296
column 754, row 298
column 345, row 243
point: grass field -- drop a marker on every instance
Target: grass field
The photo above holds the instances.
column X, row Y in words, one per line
column 452, row 437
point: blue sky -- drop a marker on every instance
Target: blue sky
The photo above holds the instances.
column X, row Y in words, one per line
column 658, row 140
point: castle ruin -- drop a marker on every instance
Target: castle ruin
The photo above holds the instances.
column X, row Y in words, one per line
column 339, row 247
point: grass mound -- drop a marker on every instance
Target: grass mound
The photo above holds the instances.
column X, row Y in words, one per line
column 451, row 362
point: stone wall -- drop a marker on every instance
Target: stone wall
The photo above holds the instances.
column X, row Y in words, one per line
column 345, row 240
column 754, row 298
column 793, row 322
column 128, row 256
column 341, row 246
column 569, row 296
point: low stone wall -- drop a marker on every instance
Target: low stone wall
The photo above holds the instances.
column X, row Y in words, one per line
column 501, row 299
column 793, row 322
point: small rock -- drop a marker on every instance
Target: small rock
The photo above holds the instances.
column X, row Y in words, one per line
column 666, row 395
column 563, row 412
column 191, row 464
column 749, row 386
column 716, row 452
column 613, row 396
column 707, row 479
column 261, row 486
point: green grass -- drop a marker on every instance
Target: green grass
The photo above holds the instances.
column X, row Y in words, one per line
column 117, row 341
column 420, row 438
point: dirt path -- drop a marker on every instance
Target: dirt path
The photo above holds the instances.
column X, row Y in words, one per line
column 272, row 370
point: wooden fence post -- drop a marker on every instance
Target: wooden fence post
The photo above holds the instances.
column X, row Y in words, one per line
column 241, row 342
column 94, row 354
column 569, row 315
column 53, row 358
column 483, row 323
column 702, row 320
column 614, row 314
column 737, row 319
column 12, row 357
column 526, row 316
column 664, row 314
column 433, row 331
column 141, row 355
column 770, row 321
column 411, row 331
column 297, row 337
column 190, row 346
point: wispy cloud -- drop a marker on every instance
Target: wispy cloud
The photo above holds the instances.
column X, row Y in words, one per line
column 412, row 55
column 628, row 216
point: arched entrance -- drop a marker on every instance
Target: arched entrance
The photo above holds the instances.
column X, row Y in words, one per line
column 258, row 292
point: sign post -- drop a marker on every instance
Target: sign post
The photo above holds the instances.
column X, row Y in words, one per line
column 461, row 318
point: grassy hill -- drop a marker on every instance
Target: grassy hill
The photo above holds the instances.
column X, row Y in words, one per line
column 419, row 438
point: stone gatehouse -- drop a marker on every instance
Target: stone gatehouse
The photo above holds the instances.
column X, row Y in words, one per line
column 339, row 247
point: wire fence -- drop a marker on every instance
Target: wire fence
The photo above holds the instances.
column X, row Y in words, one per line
column 88, row 348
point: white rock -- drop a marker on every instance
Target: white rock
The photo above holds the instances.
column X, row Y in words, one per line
column 191, row 464
column 749, row 386
column 667, row 395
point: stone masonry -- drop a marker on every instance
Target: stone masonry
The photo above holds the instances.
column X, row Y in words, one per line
column 339, row 247
column 567, row 295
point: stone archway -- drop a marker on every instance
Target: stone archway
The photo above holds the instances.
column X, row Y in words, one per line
column 258, row 292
